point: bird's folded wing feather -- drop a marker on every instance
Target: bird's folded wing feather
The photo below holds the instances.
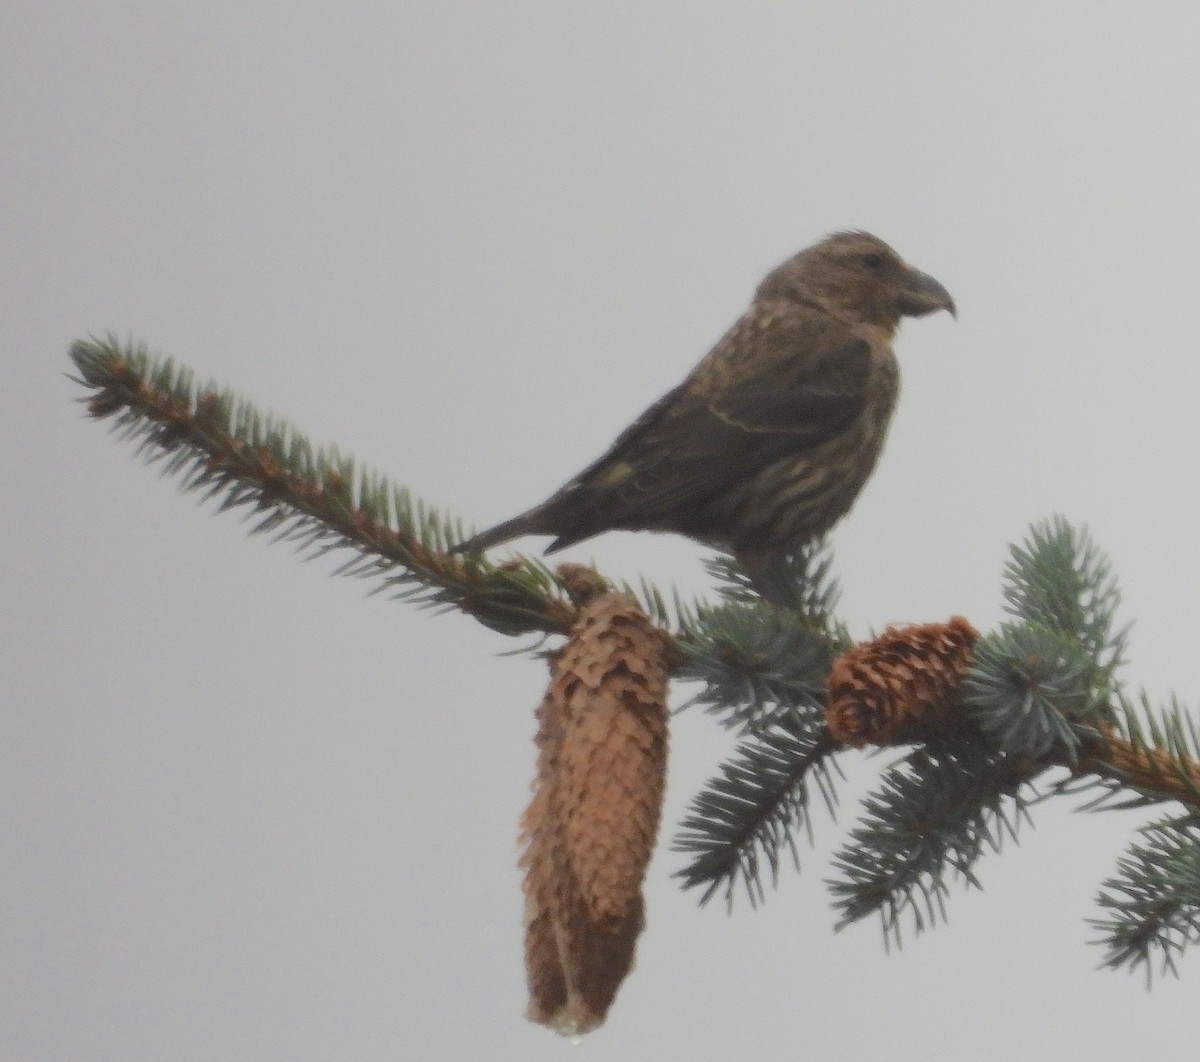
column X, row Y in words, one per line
column 795, row 381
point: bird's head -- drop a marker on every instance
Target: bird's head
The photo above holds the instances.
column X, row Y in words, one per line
column 860, row 274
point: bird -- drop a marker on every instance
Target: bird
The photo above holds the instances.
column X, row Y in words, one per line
column 766, row 444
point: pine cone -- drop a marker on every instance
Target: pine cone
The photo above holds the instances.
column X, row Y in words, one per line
column 590, row 828
column 902, row 686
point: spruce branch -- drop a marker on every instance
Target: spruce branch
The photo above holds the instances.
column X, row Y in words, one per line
column 983, row 718
column 221, row 447
column 749, row 814
column 755, row 662
column 802, row 580
column 1029, row 688
column 1153, row 903
column 1040, row 684
column 970, row 781
column 935, row 813
column 1060, row 579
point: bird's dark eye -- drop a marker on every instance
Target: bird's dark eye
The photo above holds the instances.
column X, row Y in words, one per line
column 873, row 261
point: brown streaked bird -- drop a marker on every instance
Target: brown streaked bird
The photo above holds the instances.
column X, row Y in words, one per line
column 767, row 443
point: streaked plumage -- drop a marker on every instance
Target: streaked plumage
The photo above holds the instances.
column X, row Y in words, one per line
column 768, row 441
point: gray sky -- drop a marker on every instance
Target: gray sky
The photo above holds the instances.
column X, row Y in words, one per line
column 248, row 814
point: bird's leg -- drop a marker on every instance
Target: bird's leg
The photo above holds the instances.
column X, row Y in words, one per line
column 764, row 569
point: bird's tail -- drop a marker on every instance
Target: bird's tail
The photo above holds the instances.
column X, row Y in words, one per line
column 528, row 523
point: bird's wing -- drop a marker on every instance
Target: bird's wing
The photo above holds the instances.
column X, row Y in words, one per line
column 803, row 373
column 770, row 388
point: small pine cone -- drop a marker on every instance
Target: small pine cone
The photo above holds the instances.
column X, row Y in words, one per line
column 590, row 828
column 902, row 686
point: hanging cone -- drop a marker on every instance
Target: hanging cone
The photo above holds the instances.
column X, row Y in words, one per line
column 590, row 828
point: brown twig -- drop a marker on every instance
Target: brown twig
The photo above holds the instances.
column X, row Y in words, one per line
column 1150, row 770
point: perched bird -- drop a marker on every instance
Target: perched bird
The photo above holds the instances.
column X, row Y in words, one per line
column 768, row 441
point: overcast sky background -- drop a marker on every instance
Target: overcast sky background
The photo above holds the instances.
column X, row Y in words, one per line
column 247, row 813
